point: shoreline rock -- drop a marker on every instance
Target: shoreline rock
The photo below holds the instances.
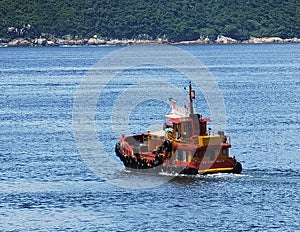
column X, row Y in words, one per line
column 94, row 41
column 19, row 43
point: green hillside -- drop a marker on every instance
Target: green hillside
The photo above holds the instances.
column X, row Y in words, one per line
column 175, row 20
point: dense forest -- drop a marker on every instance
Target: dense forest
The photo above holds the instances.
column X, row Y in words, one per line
column 175, row 20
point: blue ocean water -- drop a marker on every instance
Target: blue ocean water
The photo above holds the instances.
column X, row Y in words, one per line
column 45, row 185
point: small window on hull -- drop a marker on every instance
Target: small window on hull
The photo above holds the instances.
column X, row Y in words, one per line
column 212, row 155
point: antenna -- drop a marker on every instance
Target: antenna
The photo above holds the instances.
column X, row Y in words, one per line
column 192, row 97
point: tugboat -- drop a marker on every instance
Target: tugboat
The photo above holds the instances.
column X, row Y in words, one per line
column 184, row 146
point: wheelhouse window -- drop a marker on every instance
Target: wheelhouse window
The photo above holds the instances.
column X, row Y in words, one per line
column 179, row 155
column 188, row 129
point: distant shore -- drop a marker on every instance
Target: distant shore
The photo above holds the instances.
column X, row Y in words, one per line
column 94, row 41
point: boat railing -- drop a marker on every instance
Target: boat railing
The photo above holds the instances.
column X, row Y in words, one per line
column 189, row 140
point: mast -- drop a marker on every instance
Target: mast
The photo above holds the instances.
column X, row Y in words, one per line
column 192, row 97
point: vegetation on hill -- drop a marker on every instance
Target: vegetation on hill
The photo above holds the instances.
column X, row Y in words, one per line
column 175, row 20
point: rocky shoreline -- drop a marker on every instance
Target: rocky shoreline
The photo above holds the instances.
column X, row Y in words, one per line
column 95, row 41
